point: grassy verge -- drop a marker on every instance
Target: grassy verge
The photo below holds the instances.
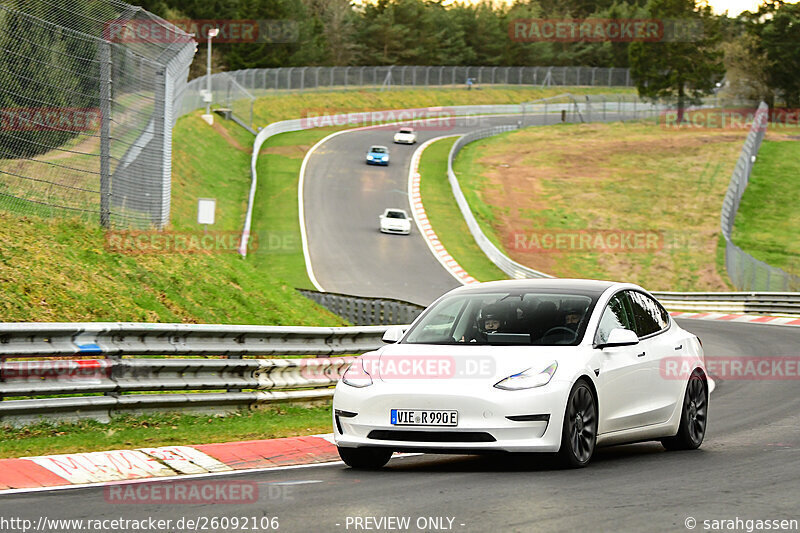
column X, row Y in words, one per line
column 604, row 179
column 89, row 281
column 769, row 214
column 164, row 430
column 446, row 218
column 275, row 211
column 274, row 107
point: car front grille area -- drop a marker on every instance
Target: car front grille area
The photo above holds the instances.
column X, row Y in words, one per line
column 430, row 436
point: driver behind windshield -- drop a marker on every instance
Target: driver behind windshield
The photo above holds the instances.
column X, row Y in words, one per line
column 490, row 319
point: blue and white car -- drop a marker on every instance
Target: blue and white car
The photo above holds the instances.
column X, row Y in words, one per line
column 378, row 155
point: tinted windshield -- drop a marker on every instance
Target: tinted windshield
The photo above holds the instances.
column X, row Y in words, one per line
column 406, row 131
column 378, row 150
column 395, row 214
column 520, row 318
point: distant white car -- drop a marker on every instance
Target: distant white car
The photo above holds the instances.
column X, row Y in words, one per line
column 395, row 221
column 405, row 136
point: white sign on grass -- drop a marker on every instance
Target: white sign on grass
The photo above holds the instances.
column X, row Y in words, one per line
column 205, row 210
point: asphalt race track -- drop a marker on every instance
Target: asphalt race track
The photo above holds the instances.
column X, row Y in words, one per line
column 748, row 468
column 343, row 197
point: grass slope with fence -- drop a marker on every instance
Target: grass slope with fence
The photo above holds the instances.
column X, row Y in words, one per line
column 769, row 214
column 567, row 179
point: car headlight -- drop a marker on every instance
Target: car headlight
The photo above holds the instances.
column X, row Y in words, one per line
column 528, row 379
column 369, row 157
column 356, row 375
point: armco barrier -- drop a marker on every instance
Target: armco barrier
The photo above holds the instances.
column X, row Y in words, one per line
column 586, row 109
column 363, row 311
column 123, row 367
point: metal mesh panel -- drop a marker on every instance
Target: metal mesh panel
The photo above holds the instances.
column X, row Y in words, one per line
column 745, row 271
column 86, row 109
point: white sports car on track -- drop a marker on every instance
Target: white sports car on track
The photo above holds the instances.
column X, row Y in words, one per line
column 395, row 221
column 405, row 136
column 546, row 365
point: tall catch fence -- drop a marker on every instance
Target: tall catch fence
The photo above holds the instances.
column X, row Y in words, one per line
column 87, row 103
column 745, row 271
column 236, row 90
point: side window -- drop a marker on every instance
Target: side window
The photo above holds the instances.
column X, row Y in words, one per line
column 614, row 316
column 648, row 315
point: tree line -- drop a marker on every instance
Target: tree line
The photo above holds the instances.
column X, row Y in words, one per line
column 759, row 51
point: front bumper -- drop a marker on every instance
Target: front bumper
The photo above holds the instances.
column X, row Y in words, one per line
column 483, row 425
column 399, row 231
column 382, row 162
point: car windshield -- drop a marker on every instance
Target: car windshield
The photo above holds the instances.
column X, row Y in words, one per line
column 378, row 150
column 510, row 318
column 395, row 214
column 406, row 131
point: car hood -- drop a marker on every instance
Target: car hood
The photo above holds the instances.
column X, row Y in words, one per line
column 401, row 362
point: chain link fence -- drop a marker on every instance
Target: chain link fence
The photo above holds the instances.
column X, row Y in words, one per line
column 236, row 90
column 87, row 96
column 745, row 271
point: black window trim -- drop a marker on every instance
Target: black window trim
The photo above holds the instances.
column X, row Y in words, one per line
column 649, row 336
column 669, row 321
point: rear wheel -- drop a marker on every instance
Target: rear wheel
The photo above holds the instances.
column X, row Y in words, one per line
column 579, row 433
column 365, row 458
column 694, row 414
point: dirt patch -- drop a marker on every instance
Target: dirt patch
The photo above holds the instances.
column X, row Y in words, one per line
column 230, row 139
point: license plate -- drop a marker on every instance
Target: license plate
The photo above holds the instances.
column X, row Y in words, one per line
column 420, row 417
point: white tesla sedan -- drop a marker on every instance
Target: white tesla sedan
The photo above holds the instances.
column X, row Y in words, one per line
column 546, row 365
column 395, row 221
column 405, row 136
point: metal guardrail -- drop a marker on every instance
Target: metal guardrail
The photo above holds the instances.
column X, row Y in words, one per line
column 360, row 310
column 574, row 109
column 361, row 119
column 107, row 368
column 770, row 303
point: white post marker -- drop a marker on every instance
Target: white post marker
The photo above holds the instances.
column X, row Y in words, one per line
column 206, row 209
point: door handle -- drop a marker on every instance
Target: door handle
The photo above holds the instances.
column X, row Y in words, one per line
column 640, row 354
column 679, row 347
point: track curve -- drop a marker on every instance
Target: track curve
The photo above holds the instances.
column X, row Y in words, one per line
column 747, row 468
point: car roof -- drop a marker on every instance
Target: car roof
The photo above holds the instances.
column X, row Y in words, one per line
column 377, row 146
column 406, row 129
column 586, row 286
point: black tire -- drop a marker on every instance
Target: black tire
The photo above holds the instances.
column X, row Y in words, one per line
column 365, row 458
column 579, row 432
column 694, row 415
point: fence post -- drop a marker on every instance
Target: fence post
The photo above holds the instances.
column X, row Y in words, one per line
column 104, row 49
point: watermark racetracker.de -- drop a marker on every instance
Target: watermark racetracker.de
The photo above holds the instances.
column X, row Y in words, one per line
column 126, row 31
column 586, row 240
column 728, row 368
column 147, row 242
column 568, row 30
column 70, row 119
column 424, row 118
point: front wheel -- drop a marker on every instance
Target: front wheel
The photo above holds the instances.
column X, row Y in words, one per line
column 579, row 433
column 365, row 458
column 694, row 414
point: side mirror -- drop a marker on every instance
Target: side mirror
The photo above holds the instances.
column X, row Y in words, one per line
column 393, row 334
column 620, row 337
